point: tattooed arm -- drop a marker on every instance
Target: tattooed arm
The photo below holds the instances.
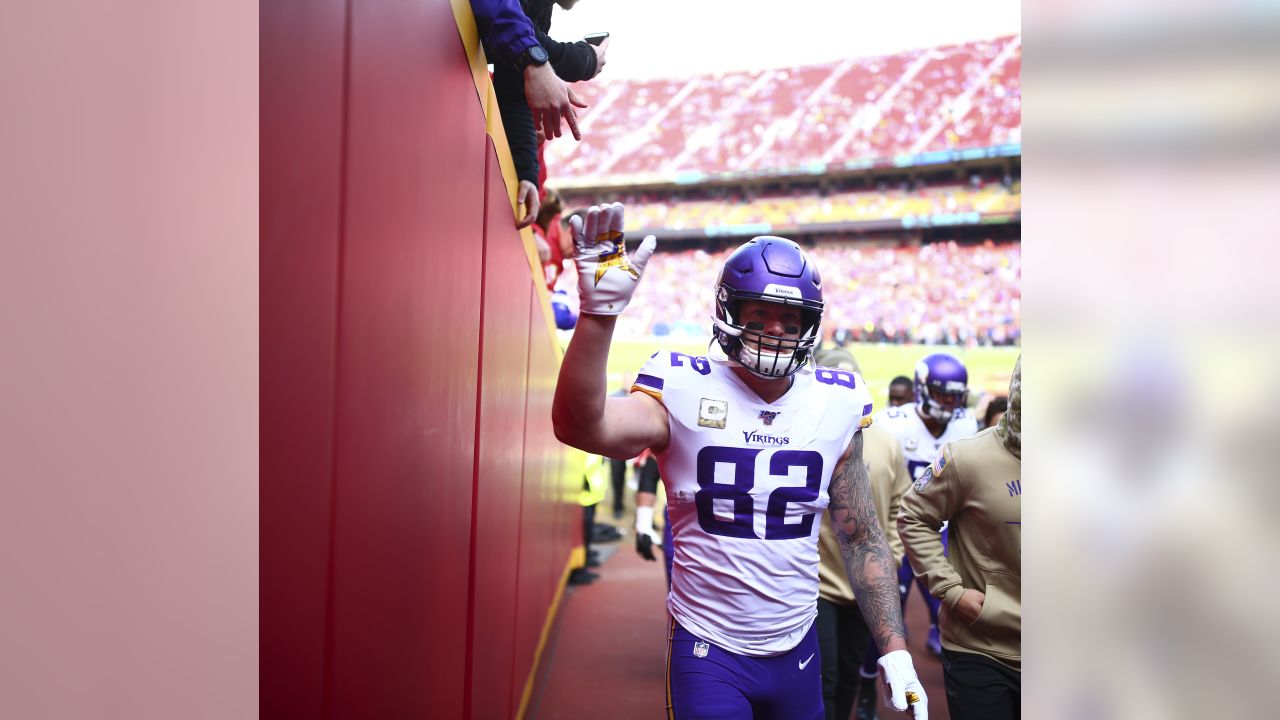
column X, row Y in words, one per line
column 870, row 565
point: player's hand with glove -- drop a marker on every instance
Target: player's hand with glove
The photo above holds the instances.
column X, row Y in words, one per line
column 646, row 536
column 905, row 690
column 607, row 277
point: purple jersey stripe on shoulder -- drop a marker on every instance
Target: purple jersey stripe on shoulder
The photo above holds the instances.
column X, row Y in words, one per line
column 866, row 409
column 649, row 380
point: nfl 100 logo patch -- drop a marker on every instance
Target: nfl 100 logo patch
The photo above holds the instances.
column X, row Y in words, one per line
column 700, row 649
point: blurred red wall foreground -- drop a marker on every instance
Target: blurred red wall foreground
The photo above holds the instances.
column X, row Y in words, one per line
column 415, row 532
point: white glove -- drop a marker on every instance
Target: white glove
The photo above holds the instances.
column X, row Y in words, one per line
column 606, row 276
column 644, row 525
column 904, row 687
column 646, row 536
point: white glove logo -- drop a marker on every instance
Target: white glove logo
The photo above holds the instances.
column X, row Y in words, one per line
column 617, row 258
column 599, row 247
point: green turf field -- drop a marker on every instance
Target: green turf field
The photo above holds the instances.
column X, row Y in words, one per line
column 989, row 368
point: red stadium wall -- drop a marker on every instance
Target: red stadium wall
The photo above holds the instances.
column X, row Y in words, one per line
column 416, row 519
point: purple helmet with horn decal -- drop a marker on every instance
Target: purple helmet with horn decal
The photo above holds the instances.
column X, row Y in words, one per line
column 769, row 269
column 942, row 386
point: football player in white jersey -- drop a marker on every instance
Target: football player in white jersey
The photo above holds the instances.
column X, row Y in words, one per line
column 937, row 417
column 751, row 447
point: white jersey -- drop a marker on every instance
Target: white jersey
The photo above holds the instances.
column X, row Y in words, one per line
column 745, row 482
column 919, row 446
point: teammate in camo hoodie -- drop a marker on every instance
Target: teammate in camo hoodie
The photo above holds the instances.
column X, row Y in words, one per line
column 975, row 484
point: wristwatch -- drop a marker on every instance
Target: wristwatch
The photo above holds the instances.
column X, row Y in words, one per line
column 534, row 55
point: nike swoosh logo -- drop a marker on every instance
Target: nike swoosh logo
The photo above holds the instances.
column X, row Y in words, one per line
column 806, row 661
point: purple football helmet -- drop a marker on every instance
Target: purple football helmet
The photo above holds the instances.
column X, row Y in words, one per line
column 769, row 269
column 942, row 386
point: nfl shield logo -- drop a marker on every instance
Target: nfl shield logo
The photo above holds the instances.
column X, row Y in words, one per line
column 700, row 649
column 768, row 416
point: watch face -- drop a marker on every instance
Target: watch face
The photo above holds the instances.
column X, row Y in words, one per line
column 537, row 54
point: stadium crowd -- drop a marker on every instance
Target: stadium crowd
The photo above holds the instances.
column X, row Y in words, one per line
column 934, row 99
column 935, row 294
column 809, row 207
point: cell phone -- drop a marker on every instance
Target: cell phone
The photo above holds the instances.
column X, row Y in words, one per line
column 596, row 38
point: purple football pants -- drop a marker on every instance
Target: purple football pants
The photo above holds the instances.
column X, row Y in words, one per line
column 707, row 682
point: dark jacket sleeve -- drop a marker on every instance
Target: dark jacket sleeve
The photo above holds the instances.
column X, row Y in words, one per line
column 504, row 29
column 517, row 121
column 572, row 61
